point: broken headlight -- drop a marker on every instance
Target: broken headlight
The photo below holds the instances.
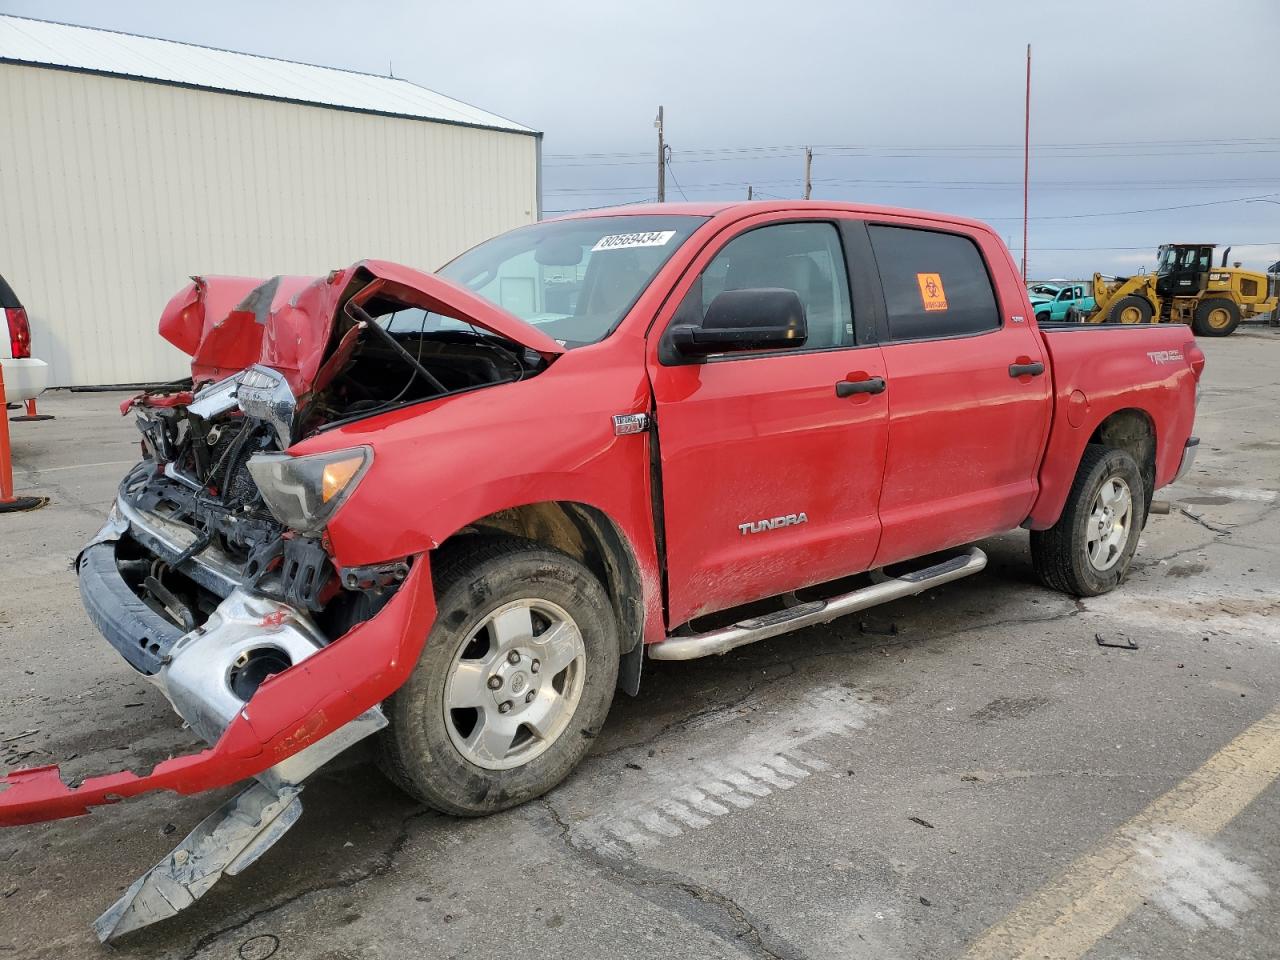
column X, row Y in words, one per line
column 304, row 492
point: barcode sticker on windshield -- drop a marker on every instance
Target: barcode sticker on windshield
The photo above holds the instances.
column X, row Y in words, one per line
column 621, row 241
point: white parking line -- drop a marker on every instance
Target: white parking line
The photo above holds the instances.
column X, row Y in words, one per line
column 716, row 780
column 80, row 466
column 1245, row 493
column 1196, row 883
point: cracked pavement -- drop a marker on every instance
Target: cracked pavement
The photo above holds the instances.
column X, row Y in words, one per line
column 890, row 785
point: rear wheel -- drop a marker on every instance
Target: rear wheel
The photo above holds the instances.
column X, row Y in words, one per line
column 1088, row 551
column 514, row 682
column 1130, row 309
column 1218, row 317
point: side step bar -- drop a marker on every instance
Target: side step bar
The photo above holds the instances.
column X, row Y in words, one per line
column 818, row 611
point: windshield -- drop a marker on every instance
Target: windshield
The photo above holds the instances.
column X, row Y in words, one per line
column 572, row 279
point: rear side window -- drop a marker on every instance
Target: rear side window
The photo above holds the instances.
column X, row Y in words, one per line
column 935, row 284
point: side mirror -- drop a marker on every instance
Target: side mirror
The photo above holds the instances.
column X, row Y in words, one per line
column 765, row 318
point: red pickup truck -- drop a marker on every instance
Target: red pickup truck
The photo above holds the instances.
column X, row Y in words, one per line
column 458, row 510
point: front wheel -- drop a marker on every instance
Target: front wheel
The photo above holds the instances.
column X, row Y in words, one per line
column 1088, row 551
column 514, row 681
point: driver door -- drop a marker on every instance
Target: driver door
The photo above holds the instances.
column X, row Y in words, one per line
column 770, row 470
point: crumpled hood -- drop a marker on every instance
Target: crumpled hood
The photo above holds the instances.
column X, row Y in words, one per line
column 288, row 323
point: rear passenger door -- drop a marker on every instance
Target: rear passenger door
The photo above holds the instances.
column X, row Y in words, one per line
column 968, row 389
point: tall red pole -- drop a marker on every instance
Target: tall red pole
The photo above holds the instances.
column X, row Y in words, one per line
column 8, row 502
column 6, row 464
column 1026, row 166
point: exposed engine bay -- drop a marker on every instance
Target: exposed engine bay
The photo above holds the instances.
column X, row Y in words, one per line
column 203, row 442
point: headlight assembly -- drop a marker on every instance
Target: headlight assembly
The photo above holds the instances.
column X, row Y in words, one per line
column 303, row 493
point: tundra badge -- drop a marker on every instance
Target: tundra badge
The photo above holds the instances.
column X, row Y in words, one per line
column 760, row 526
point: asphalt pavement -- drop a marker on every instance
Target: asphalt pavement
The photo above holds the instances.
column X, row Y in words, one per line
column 967, row 773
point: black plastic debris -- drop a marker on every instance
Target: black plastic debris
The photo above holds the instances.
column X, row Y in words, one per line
column 1121, row 643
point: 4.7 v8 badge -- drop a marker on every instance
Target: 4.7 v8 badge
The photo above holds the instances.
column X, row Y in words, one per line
column 760, row 526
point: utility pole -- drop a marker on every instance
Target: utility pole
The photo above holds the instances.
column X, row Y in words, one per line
column 808, row 167
column 1026, row 167
column 662, row 159
column 748, row 191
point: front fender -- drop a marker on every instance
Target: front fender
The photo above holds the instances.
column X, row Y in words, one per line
column 445, row 464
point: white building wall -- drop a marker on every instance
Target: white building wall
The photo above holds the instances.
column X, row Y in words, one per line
column 114, row 191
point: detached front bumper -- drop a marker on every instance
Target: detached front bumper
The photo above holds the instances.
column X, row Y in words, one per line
column 312, row 710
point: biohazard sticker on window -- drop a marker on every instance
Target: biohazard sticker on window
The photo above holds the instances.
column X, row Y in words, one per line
column 621, row 241
column 931, row 292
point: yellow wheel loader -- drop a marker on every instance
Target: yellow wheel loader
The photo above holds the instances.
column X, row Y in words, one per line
column 1186, row 288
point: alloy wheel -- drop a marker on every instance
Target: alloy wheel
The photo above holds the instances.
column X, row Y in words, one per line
column 1107, row 530
column 514, row 684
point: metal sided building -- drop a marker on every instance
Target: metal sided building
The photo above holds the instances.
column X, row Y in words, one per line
column 127, row 164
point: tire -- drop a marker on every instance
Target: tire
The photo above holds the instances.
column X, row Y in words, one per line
column 1042, row 317
column 424, row 748
column 1217, row 317
column 1063, row 556
column 1130, row 309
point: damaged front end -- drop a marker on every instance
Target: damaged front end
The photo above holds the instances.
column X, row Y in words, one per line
column 213, row 576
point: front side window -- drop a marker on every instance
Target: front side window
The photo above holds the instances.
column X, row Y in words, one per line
column 573, row 279
column 935, row 284
column 804, row 257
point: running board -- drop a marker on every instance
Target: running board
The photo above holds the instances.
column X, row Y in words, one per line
column 818, row 611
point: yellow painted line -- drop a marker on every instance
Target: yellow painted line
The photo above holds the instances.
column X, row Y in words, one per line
column 1070, row 914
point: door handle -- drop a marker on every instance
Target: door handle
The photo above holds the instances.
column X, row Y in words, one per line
column 847, row 388
column 1026, row 369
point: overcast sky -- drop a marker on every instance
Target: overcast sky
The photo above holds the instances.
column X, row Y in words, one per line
column 1135, row 106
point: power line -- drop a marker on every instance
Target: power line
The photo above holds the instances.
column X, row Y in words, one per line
column 1156, row 184
column 1104, row 148
column 606, row 206
column 1073, row 144
column 1124, row 213
column 675, row 181
column 1065, row 216
column 1143, row 247
column 927, row 156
